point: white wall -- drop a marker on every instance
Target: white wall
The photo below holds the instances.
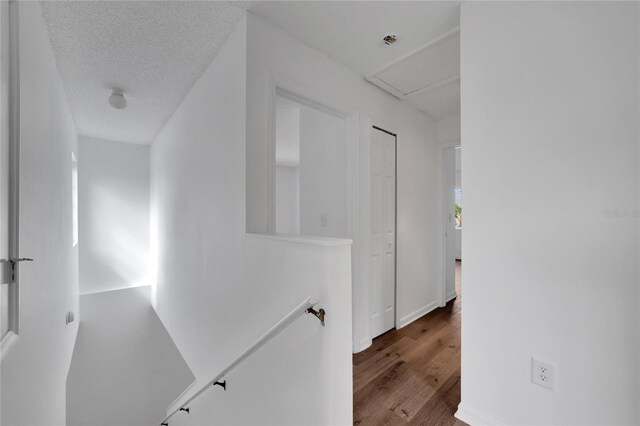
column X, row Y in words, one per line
column 448, row 129
column 287, row 122
column 310, row 171
column 550, row 127
column 287, row 200
column 34, row 372
column 113, row 197
column 125, row 368
column 218, row 289
column 304, row 375
column 323, row 174
column 272, row 56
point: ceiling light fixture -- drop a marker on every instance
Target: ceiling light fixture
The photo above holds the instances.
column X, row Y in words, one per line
column 117, row 99
column 390, row 39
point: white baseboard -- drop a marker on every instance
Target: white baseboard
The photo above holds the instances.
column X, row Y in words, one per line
column 450, row 296
column 362, row 345
column 473, row 417
column 408, row 319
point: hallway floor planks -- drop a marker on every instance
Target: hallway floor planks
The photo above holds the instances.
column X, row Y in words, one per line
column 412, row 375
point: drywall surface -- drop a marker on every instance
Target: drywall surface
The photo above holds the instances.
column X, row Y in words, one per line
column 274, row 56
column 125, row 368
column 113, row 198
column 310, row 171
column 448, row 129
column 287, row 200
column 308, row 363
column 323, row 174
column 34, row 372
column 218, row 289
column 550, row 130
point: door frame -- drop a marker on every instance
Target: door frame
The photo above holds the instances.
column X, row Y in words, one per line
column 294, row 91
column 10, row 134
column 375, row 125
column 454, row 144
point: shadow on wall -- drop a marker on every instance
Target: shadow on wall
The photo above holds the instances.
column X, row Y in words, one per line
column 121, row 260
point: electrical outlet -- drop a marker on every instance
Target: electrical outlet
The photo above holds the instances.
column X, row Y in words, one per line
column 543, row 374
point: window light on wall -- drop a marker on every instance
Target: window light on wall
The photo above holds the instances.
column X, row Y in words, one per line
column 74, row 197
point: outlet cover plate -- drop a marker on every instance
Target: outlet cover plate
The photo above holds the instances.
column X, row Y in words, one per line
column 543, row 374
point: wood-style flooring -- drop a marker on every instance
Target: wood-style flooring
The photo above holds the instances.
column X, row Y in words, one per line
column 411, row 376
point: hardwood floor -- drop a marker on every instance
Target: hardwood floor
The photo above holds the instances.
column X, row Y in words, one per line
column 411, row 376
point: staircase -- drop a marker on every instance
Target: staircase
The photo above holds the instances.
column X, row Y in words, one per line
column 125, row 368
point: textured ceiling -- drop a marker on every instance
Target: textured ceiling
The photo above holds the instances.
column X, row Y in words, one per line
column 155, row 51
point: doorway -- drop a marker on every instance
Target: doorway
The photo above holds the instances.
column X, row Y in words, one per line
column 452, row 214
column 383, row 230
column 310, row 169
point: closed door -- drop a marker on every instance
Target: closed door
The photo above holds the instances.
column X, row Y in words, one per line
column 383, row 231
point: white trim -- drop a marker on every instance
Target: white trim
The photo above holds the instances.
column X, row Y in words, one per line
column 292, row 90
column 429, row 45
column 433, row 86
column 450, row 297
column 10, row 57
column 454, row 143
column 303, row 239
column 474, row 417
column 374, row 79
column 362, row 345
column 7, row 343
column 408, row 319
column 89, row 293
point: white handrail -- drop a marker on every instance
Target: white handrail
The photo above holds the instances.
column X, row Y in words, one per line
column 296, row 313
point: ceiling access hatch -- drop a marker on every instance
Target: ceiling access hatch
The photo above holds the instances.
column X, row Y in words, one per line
column 432, row 66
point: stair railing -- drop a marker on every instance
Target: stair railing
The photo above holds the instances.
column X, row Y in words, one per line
column 305, row 307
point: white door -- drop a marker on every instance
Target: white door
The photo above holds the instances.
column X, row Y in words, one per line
column 383, row 231
column 5, row 266
column 449, row 224
column 9, row 155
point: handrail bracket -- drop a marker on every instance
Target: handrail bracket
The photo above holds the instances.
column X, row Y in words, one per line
column 318, row 314
column 183, row 402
